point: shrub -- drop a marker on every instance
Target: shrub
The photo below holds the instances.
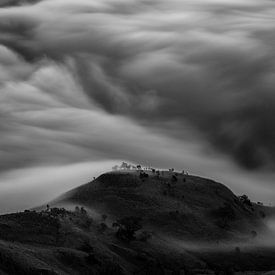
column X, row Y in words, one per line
column 55, row 212
column 174, row 178
column 245, row 200
column 127, row 227
column 143, row 175
column 83, row 211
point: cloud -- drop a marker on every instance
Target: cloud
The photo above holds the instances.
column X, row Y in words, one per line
column 98, row 80
column 53, row 180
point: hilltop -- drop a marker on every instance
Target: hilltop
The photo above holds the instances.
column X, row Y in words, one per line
column 182, row 205
column 139, row 222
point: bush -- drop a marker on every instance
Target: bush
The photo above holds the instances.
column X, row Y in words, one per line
column 127, row 227
column 245, row 200
column 143, row 175
column 55, row 212
column 83, row 211
column 174, row 178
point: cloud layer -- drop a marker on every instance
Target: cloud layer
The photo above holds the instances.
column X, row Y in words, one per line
column 149, row 81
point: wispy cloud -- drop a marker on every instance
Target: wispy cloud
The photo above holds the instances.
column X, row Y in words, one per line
column 98, row 80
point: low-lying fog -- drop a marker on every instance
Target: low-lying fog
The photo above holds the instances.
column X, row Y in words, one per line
column 25, row 188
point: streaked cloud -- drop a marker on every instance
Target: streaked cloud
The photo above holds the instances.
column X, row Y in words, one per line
column 182, row 83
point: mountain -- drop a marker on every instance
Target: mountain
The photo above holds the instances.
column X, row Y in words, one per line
column 132, row 222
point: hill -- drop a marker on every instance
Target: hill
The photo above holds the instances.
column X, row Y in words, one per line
column 185, row 206
column 132, row 223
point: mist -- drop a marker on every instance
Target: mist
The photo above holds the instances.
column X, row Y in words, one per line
column 85, row 84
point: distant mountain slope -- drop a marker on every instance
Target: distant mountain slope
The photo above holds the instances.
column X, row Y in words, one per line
column 176, row 204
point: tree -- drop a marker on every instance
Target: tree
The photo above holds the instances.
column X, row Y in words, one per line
column 124, row 165
column 174, row 178
column 245, row 200
column 127, row 227
column 83, row 210
column 143, row 175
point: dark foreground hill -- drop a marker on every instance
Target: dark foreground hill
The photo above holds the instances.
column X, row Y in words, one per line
column 185, row 206
column 131, row 224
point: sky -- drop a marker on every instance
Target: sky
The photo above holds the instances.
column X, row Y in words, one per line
column 85, row 84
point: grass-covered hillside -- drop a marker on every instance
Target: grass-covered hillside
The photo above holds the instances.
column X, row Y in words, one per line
column 140, row 223
column 181, row 205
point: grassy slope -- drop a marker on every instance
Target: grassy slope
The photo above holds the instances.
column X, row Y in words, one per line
column 65, row 243
column 185, row 207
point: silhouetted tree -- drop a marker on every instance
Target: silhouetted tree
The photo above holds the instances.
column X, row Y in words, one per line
column 245, row 200
column 124, row 165
column 83, row 210
column 174, row 178
column 127, row 227
column 143, row 175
